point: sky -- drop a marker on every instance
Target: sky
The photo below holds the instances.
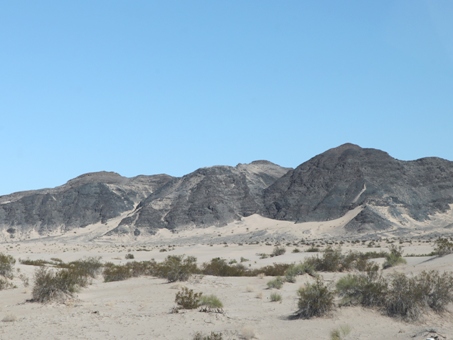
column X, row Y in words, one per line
column 149, row 87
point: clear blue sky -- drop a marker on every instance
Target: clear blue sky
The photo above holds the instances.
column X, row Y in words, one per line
column 147, row 87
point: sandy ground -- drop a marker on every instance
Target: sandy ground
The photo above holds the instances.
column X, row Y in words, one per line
column 140, row 308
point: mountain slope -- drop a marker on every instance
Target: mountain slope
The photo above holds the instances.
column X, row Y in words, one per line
column 208, row 196
column 87, row 199
column 340, row 179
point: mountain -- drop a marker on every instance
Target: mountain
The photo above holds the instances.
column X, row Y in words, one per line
column 208, row 196
column 87, row 199
column 391, row 192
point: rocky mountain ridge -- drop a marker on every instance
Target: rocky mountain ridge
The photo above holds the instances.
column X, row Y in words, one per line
column 388, row 192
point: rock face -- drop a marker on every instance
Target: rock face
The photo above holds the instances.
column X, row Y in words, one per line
column 87, row 199
column 340, row 179
column 206, row 197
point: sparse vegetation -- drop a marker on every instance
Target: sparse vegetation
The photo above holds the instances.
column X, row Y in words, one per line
column 129, row 256
column 212, row 336
column 177, row 268
column 398, row 295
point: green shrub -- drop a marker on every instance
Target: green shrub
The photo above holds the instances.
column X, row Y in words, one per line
column 129, row 256
column 275, row 297
column 89, row 267
column 296, row 250
column 187, row 299
column 394, row 258
column 210, row 303
column 6, row 265
column 212, row 336
column 314, row 300
column 275, row 283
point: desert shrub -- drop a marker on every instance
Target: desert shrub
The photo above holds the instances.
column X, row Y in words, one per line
column 212, row 336
column 437, row 289
column 219, row 267
column 187, row 299
column 177, row 268
column 276, row 269
column 296, row 250
column 394, row 258
column 6, row 265
column 89, row 267
column 405, row 298
column 140, row 268
column 443, row 247
column 367, row 290
column 51, row 285
column 114, row 272
column 210, row 303
column 315, row 299
column 312, row 249
column 340, row 333
column 5, row 284
column 275, row 283
column 56, row 259
column 278, row 250
column 129, row 256
column 298, row 269
column 37, row 263
column 275, row 297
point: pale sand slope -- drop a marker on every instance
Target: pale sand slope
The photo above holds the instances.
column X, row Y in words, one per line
column 140, row 308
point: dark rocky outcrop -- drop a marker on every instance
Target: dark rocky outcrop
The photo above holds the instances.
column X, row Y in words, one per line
column 87, row 199
column 206, row 197
column 340, row 179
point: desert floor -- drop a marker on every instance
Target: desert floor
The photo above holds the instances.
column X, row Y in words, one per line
column 139, row 308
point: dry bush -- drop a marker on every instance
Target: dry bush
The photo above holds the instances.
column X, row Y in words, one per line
column 443, row 247
column 187, row 299
column 278, row 250
column 220, row 267
column 56, row 285
column 114, row 272
column 315, row 299
column 275, row 297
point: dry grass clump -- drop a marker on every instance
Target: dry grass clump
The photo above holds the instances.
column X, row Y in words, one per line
column 210, row 303
column 275, row 297
column 315, row 299
column 276, row 283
